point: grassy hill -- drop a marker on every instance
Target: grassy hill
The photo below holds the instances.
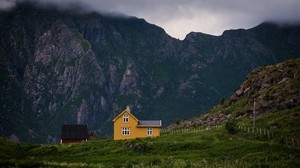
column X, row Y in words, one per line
column 203, row 141
column 201, row 148
column 276, row 90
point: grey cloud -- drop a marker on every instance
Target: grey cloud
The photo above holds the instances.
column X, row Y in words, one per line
column 179, row 17
column 7, row 4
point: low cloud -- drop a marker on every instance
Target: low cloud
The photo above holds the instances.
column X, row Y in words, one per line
column 7, row 4
column 179, row 17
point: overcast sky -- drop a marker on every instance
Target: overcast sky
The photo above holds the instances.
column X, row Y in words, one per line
column 179, row 17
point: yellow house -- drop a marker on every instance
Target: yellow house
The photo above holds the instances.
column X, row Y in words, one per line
column 127, row 126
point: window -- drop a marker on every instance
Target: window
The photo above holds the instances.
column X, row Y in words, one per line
column 125, row 131
column 149, row 131
column 125, row 118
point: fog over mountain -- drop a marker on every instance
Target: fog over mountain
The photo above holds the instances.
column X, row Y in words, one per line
column 179, row 17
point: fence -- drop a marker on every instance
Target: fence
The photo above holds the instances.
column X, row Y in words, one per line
column 198, row 129
column 261, row 133
column 257, row 131
column 269, row 135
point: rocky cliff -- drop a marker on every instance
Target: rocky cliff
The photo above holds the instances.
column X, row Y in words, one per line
column 276, row 92
column 60, row 67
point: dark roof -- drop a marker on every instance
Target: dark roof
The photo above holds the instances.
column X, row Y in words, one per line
column 152, row 123
column 74, row 132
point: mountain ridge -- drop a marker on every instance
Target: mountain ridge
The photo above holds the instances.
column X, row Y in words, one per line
column 59, row 68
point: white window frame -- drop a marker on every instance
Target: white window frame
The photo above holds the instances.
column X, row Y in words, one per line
column 125, row 118
column 149, row 131
column 125, row 131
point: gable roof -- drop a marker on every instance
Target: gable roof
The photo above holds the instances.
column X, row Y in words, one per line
column 149, row 123
column 74, row 132
column 127, row 110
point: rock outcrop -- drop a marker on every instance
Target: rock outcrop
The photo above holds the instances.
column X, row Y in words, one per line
column 275, row 88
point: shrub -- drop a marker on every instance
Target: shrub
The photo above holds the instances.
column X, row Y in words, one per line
column 222, row 101
column 231, row 126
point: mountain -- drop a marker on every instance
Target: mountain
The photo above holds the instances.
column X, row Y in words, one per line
column 198, row 142
column 67, row 67
column 276, row 90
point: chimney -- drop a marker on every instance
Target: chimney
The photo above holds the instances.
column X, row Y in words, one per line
column 128, row 108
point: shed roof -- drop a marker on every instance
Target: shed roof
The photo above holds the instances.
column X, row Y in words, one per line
column 149, row 123
column 74, row 132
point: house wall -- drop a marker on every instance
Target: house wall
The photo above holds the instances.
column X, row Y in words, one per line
column 141, row 132
column 135, row 132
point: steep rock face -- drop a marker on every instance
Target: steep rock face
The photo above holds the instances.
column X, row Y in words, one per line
column 272, row 86
column 276, row 91
column 63, row 69
column 59, row 67
column 130, row 81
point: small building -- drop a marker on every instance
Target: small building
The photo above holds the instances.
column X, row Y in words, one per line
column 127, row 126
column 74, row 134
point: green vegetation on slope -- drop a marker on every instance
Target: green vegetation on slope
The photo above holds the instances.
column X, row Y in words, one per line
column 276, row 89
column 211, row 148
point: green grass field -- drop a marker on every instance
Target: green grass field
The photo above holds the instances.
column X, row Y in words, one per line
column 212, row 148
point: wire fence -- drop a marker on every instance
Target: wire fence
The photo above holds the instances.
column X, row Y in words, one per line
column 196, row 129
column 266, row 134
column 259, row 133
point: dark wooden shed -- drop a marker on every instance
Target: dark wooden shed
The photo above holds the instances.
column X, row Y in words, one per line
column 74, row 134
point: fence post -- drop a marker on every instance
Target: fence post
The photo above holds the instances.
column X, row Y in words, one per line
column 268, row 134
column 260, row 131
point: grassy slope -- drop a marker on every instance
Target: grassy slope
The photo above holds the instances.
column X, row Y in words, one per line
column 212, row 148
column 273, row 86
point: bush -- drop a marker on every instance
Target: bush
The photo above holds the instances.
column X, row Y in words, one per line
column 222, row 101
column 231, row 126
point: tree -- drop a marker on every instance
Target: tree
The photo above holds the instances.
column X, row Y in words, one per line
column 222, row 101
column 231, row 126
column 92, row 135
